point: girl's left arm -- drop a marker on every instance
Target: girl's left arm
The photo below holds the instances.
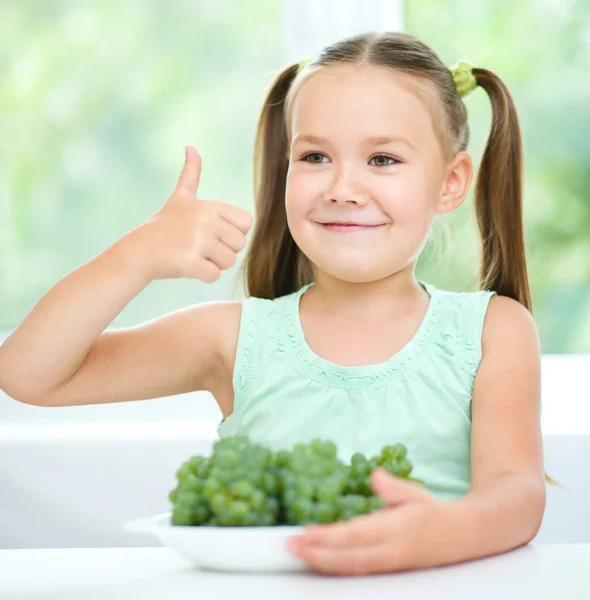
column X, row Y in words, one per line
column 505, row 506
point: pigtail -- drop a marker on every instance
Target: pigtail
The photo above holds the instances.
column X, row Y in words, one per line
column 498, row 198
column 273, row 263
column 498, row 201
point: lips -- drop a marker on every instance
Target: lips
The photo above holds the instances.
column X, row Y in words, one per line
column 348, row 227
column 350, row 224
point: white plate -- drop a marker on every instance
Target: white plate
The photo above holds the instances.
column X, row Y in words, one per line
column 254, row 549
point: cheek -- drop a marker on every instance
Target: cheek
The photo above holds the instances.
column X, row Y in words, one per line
column 406, row 199
column 298, row 198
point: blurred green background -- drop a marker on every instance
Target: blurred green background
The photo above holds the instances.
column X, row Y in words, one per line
column 97, row 100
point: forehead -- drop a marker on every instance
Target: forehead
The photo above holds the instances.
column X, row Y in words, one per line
column 354, row 102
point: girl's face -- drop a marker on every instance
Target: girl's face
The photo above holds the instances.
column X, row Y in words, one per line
column 366, row 172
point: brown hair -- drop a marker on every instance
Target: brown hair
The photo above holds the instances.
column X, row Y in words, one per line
column 274, row 265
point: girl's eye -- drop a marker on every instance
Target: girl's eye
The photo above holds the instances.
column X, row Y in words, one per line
column 308, row 158
column 386, row 164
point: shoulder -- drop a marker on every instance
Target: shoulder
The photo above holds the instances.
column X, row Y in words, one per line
column 508, row 326
column 225, row 321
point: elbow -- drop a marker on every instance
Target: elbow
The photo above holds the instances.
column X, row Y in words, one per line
column 22, row 396
column 20, row 393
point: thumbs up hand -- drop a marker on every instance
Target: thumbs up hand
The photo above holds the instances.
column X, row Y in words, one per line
column 190, row 237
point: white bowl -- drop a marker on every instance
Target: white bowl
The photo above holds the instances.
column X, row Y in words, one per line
column 243, row 549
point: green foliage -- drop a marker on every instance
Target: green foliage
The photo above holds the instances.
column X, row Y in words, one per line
column 98, row 99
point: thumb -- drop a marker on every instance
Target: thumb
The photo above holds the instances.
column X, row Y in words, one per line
column 188, row 182
column 395, row 491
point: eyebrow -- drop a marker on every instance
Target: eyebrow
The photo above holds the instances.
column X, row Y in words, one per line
column 379, row 140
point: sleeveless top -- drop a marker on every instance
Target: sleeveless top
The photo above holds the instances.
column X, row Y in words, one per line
column 285, row 394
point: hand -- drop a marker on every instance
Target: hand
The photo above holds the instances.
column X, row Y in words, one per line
column 402, row 536
column 189, row 237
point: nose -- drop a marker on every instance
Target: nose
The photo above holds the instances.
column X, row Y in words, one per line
column 345, row 189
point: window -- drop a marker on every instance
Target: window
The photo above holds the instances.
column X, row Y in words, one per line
column 98, row 100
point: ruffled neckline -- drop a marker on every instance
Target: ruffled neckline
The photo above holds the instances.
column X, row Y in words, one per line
column 355, row 377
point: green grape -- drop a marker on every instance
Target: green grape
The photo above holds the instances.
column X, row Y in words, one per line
column 210, row 488
column 184, row 471
column 402, row 468
column 192, row 483
column 326, row 512
column 282, row 458
column 267, row 519
column 252, row 519
column 218, row 503
column 304, row 487
column 258, row 500
column 375, row 504
column 396, row 452
column 302, row 509
column 358, row 457
column 187, row 499
column 196, row 462
column 182, row 516
column 201, row 514
column 238, row 510
column 353, row 486
column 270, row 481
column 242, row 489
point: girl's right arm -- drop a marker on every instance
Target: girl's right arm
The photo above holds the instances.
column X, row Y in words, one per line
column 61, row 354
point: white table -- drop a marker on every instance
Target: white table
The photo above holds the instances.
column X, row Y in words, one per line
column 536, row 571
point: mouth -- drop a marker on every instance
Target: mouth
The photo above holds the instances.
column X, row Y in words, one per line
column 349, row 226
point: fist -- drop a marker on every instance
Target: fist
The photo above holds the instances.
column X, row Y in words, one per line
column 190, row 237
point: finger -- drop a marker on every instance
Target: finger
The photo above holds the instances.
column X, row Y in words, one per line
column 188, row 182
column 363, row 560
column 364, row 530
column 207, row 271
column 237, row 216
column 231, row 236
column 220, row 255
column 395, row 491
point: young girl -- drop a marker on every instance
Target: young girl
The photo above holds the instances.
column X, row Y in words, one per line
column 357, row 152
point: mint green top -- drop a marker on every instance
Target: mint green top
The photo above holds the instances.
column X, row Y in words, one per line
column 284, row 393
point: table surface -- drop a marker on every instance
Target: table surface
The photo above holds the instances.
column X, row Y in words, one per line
column 535, row 571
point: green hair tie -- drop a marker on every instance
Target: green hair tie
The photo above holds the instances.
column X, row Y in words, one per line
column 303, row 63
column 463, row 77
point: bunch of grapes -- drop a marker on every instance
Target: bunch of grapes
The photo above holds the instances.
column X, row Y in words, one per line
column 237, row 486
column 245, row 484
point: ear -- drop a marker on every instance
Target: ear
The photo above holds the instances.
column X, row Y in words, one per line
column 456, row 184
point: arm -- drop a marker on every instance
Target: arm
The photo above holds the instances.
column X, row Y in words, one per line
column 505, row 507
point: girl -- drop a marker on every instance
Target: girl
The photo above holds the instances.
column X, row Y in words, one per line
column 356, row 154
